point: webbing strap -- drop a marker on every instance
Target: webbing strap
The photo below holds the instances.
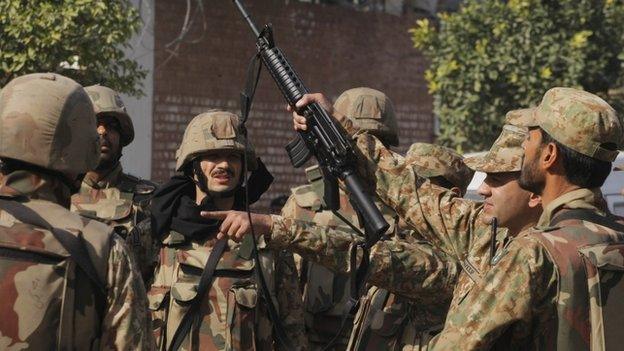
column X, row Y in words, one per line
column 74, row 245
column 590, row 216
column 192, row 315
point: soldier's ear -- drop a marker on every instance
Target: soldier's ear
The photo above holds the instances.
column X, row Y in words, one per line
column 549, row 156
column 535, row 200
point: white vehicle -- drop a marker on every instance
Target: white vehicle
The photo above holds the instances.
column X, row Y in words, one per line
column 612, row 189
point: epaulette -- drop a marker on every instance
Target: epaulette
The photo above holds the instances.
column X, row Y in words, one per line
column 138, row 186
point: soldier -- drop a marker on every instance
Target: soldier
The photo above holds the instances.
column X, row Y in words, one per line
column 384, row 320
column 328, row 314
column 68, row 282
column 412, row 270
column 387, row 321
column 233, row 312
column 546, row 288
column 107, row 194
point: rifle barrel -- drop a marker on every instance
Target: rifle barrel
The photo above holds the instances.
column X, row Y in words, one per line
column 247, row 18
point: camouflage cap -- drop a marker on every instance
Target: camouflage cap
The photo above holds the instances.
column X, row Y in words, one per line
column 431, row 160
column 372, row 111
column 505, row 155
column 47, row 120
column 579, row 120
column 214, row 130
column 107, row 102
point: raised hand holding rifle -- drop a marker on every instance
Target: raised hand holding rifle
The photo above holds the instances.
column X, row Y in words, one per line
column 321, row 138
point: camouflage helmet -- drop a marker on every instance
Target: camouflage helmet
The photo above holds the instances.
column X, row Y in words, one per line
column 42, row 122
column 372, row 111
column 106, row 102
column 431, row 160
column 213, row 131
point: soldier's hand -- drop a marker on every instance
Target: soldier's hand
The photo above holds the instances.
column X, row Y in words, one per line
column 298, row 120
column 236, row 224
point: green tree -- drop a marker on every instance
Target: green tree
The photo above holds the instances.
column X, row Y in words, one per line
column 83, row 39
column 493, row 56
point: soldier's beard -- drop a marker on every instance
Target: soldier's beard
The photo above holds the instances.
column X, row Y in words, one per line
column 530, row 177
column 108, row 162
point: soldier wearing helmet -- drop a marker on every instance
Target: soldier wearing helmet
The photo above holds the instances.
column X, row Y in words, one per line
column 382, row 318
column 107, row 194
column 326, row 294
column 213, row 159
column 68, row 281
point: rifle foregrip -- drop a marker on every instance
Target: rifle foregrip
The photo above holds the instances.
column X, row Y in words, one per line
column 284, row 75
column 374, row 222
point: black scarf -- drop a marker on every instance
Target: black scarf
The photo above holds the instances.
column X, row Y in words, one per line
column 174, row 207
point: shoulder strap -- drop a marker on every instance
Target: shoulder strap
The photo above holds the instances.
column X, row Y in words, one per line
column 590, row 216
column 74, row 245
column 205, row 282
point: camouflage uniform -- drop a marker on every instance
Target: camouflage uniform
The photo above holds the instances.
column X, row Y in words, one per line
column 384, row 321
column 48, row 301
column 537, row 295
column 118, row 199
column 327, row 294
column 234, row 315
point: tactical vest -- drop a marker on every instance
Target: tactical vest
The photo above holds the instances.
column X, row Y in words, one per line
column 381, row 319
column 589, row 258
column 121, row 206
column 47, row 302
column 233, row 315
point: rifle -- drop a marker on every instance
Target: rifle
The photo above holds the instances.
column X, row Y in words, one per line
column 323, row 139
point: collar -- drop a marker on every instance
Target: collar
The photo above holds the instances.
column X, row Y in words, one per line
column 35, row 186
column 579, row 198
column 109, row 179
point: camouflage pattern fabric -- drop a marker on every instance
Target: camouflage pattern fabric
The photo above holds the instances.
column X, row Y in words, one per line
column 505, row 155
column 118, row 199
column 512, row 305
column 430, row 160
column 538, row 295
column 213, row 131
column 370, row 110
column 327, row 293
column 121, row 201
column 414, row 270
column 107, row 102
column 234, row 316
column 579, row 120
column 47, row 303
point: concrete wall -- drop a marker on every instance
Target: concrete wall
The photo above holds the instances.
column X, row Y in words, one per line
column 137, row 159
column 333, row 48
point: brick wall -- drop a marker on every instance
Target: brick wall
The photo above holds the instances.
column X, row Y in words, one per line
column 333, row 49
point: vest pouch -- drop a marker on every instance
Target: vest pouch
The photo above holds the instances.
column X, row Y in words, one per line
column 604, row 264
column 319, row 295
column 389, row 320
column 242, row 300
column 227, row 314
column 157, row 299
column 381, row 323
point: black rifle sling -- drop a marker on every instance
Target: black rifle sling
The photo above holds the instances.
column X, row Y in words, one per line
column 73, row 244
column 205, row 282
column 590, row 216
